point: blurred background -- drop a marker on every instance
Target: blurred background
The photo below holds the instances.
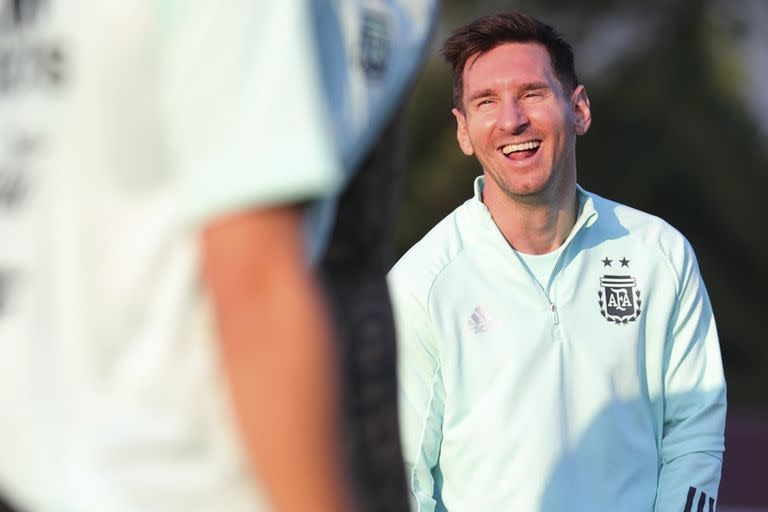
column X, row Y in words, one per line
column 679, row 93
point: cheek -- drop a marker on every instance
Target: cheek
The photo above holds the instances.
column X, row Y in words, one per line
column 547, row 117
column 488, row 122
column 480, row 126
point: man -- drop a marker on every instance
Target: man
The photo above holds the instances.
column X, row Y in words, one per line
column 157, row 160
column 557, row 350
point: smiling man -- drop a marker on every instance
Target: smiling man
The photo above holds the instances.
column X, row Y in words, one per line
column 557, row 350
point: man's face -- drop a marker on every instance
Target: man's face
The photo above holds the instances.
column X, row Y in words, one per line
column 520, row 123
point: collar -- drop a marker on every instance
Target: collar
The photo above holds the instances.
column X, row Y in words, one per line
column 587, row 213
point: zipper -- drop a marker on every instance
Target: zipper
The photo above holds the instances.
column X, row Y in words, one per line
column 544, row 288
column 555, row 316
column 580, row 223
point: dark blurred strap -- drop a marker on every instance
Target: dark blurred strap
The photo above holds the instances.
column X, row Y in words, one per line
column 354, row 271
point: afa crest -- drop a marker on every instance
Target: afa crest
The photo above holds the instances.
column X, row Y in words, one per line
column 619, row 297
column 375, row 44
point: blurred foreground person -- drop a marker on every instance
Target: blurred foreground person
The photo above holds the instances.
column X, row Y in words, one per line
column 168, row 169
column 558, row 350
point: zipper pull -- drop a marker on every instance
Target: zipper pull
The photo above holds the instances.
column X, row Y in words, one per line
column 555, row 316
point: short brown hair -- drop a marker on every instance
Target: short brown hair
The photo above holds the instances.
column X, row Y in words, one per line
column 486, row 33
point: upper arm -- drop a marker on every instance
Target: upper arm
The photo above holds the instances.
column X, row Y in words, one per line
column 694, row 403
column 421, row 392
column 253, row 257
column 694, row 384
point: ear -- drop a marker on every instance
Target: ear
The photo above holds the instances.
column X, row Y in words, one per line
column 581, row 110
column 462, row 135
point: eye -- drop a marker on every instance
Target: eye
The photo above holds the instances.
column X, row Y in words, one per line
column 484, row 103
column 534, row 94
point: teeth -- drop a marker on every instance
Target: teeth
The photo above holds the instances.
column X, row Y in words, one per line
column 511, row 148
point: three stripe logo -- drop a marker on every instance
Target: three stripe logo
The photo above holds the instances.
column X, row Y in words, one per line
column 701, row 503
column 481, row 321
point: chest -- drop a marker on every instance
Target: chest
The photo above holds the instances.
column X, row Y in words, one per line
column 586, row 329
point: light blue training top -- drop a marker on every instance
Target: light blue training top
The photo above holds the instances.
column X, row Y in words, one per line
column 598, row 389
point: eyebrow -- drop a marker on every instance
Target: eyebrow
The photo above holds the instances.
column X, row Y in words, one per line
column 483, row 93
column 526, row 86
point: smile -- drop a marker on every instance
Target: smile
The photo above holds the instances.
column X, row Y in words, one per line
column 522, row 150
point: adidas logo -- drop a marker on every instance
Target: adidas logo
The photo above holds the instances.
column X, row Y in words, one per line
column 480, row 321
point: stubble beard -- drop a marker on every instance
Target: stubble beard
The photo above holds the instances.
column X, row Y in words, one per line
column 537, row 196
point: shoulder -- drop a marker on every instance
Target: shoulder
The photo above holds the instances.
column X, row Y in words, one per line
column 616, row 220
column 418, row 269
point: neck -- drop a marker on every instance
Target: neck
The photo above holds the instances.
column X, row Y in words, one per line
column 533, row 224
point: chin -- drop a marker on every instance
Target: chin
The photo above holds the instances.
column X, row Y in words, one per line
column 530, row 192
column 528, row 187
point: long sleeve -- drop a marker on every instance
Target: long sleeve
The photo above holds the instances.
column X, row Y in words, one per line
column 421, row 396
column 692, row 442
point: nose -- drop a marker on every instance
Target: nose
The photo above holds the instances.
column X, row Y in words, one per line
column 512, row 118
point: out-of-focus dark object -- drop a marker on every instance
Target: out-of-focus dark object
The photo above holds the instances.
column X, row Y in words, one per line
column 745, row 476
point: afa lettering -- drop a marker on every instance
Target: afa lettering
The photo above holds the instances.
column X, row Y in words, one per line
column 619, row 299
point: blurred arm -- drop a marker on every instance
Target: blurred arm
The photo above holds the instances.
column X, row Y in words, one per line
column 279, row 358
